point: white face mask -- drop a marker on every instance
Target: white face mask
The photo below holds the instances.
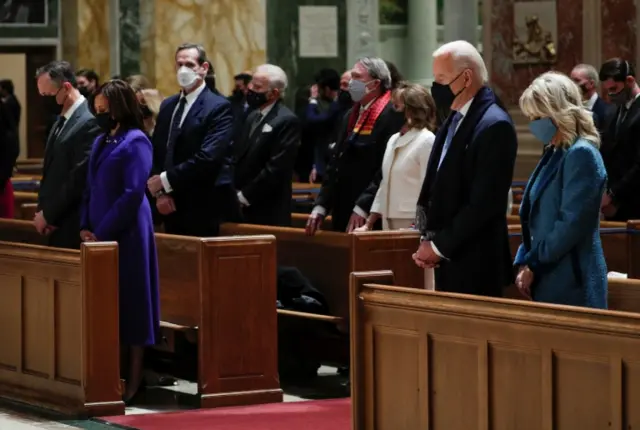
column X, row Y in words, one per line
column 187, row 77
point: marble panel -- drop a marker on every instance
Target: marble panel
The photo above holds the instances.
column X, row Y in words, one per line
column 85, row 29
column 233, row 33
column 129, row 37
column 619, row 29
column 51, row 30
column 509, row 79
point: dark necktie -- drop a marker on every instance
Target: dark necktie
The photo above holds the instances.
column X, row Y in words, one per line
column 255, row 124
column 175, row 122
column 57, row 128
column 450, row 133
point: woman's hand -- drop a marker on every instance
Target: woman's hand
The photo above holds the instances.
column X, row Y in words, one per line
column 87, row 236
column 524, row 281
column 365, row 227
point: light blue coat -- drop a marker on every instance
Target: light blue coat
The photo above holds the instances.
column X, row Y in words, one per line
column 560, row 216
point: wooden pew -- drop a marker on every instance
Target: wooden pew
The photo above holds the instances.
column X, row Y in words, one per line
column 217, row 291
column 59, row 336
column 419, row 355
column 299, row 220
column 20, row 198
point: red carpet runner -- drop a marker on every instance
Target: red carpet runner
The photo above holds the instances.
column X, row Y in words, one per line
column 332, row 414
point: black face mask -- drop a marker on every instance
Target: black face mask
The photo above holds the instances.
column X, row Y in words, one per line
column 443, row 95
column 344, row 98
column 52, row 105
column 105, row 122
column 237, row 94
column 255, row 100
column 146, row 112
column 621, row 97
column 84, row 91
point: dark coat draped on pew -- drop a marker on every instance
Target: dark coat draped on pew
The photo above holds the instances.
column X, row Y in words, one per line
column 115, row 208
column 560, row 216
column 461, row 207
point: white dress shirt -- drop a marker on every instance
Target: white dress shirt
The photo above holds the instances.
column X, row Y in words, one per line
column 320, row 210
column 74, row 107
column 591, row 102
column 190, row 100
column 263, row 112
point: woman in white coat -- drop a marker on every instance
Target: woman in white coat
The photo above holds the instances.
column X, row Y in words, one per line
column 405, row 160
column 405, row 163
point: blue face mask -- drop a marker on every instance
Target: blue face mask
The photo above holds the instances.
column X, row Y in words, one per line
column 543, row 129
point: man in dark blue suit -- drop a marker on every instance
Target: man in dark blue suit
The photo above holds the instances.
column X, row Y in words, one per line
column 192, row 179
column 461, row 210
column 586, row 77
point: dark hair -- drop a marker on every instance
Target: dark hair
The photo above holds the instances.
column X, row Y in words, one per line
column 244, row 77
column 123, row 104
column 328, row 78
column 89, row 74
column 616, row 69
column 59, row 72
column 202, row 54
column 396, row 76
column 7, row 85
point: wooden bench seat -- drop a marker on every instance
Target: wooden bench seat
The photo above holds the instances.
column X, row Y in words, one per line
column 59, row 335
column 221, row 293
column 21, row 198
column 419, row 355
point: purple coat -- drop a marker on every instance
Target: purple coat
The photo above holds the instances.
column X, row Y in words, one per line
column 115, row 208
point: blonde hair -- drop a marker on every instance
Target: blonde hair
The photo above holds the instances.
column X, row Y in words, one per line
column 138, row 82
column 554, row 95
column 153, row 99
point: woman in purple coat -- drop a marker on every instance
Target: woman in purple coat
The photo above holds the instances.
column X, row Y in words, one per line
column 115, row 208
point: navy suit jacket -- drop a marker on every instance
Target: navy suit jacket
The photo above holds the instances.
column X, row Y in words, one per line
column 200, row 161
column 462, row 205
column 601, row 113
column 560, row 216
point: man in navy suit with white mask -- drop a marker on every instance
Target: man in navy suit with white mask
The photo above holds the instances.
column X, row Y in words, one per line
column 191, row 178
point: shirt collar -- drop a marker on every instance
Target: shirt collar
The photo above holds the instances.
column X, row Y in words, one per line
column 74, row 107
column 365, row 107
column 632, row 101
column 591, row 102
column 465, row 108
column 265, row 110
column 193, row 95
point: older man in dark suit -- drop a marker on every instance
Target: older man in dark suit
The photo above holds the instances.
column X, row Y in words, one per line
column 356, row 159
column 192, row 179
column 586, row 77
column 461, row 208
column 66, row 154
column 266, row 153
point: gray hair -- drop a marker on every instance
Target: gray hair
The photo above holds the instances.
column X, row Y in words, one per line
column 590, row 72
column 377, row 69
column 464, row 56
column 277, row 77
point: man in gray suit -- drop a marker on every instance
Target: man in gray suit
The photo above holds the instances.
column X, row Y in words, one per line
column 66, row 156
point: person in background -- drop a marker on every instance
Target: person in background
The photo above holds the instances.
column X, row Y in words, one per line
column 88, row 82
column 9, row 151
column 65, row 160
column 357, row 156
column 561, row 259
column 115, row 208
column 587, row 79
column 192, row 174
column 620, row 147
column 396, row 76
column 267, row 151
column 238, row 100
column 10, row 101
column 150, row 101
column 461, row 208
column 138, row 82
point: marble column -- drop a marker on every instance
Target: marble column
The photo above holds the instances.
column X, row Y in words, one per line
column 85, row 35
column 362, row 29
column 461, row 21
column 233, row 32
column 422, row 40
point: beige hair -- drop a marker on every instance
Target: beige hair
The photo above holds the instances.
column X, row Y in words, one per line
column 153, row 100
column 138, row 82
column 464, row 56
column 553, row 95
column 419, row 106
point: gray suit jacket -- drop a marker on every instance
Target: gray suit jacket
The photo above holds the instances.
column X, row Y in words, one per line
column 64, row 176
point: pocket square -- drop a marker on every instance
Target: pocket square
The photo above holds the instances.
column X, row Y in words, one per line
column 266, row 128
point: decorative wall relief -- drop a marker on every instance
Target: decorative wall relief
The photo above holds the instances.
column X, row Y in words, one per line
column 536, row 32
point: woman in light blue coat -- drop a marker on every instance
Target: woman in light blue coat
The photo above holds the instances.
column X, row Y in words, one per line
column 561, row 259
